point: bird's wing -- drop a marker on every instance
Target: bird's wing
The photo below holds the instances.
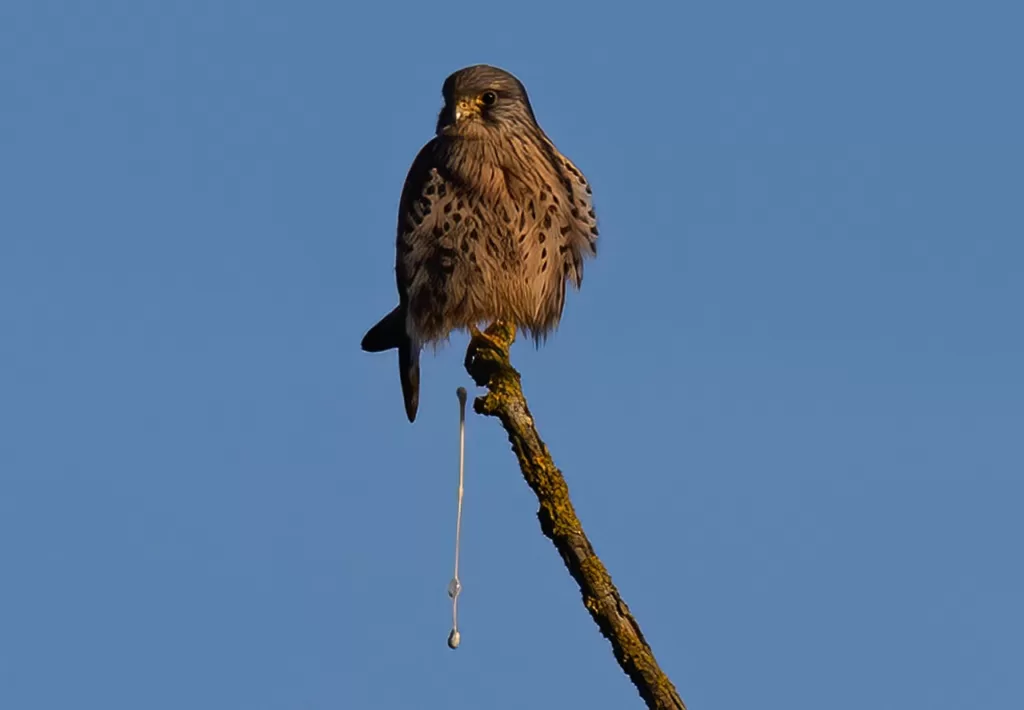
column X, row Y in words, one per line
column 413, row 209
column 581, row 228
column 425, row 249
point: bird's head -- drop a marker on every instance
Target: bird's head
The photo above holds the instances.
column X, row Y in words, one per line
column 481, row 99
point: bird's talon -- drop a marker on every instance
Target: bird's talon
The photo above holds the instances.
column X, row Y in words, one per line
column 482, row 340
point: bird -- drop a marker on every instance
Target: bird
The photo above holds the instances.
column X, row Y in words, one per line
column 493, row 222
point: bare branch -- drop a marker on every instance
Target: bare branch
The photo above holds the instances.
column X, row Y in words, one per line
column 487, row 361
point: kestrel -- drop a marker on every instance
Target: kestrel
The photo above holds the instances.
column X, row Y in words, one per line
column 492, row 223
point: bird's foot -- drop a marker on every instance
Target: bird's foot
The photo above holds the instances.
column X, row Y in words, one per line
column 498, row 336
column 492, row 344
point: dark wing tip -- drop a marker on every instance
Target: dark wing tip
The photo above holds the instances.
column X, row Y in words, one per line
column 372, row 343
column 385, row 335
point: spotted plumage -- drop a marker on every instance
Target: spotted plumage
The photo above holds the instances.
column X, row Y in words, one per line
column 493, row 221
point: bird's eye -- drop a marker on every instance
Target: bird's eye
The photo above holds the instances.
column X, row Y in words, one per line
column 488, row 98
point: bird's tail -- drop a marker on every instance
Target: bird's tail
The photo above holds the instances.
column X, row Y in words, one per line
column 390, row 333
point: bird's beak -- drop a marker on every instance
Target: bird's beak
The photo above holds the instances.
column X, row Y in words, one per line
column 465, row 108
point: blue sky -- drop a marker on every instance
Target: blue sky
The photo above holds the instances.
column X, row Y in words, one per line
column 788, row 400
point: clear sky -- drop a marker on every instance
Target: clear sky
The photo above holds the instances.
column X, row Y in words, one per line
column 789, row 399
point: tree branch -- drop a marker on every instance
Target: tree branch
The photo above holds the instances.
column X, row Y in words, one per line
column 487, row 361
